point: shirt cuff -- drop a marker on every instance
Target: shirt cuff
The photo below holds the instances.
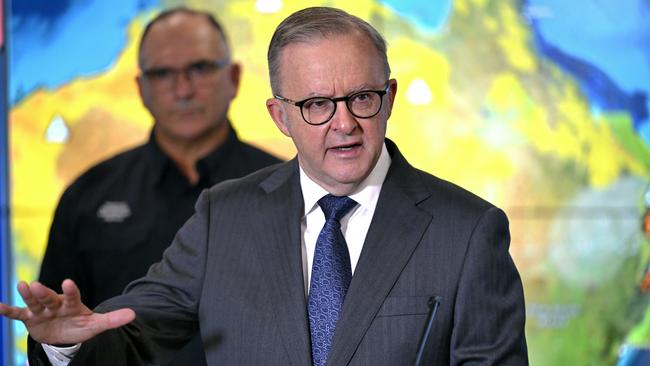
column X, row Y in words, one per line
column 60, row 356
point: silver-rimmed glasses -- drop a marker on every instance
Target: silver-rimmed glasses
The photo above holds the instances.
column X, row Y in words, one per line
column 199, row 73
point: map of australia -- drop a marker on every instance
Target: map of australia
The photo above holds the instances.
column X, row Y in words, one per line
column 519, row 102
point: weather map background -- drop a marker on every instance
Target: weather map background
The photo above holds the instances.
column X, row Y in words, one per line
column 539, row 106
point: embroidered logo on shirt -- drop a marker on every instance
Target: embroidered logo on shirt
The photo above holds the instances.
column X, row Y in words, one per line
column 114, row 211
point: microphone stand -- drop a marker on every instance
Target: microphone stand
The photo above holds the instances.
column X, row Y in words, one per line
column 434, row 303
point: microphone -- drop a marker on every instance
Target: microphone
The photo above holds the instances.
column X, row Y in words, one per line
column 434, row 303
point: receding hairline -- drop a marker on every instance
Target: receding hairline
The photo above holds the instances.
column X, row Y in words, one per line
column 169, row 13
column 315, row 24
column 329, row 36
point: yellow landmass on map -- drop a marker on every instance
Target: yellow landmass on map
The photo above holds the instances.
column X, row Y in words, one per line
column 489, row 107
column 495, row 119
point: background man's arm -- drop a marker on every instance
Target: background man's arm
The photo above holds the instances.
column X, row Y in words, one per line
column 61, row 260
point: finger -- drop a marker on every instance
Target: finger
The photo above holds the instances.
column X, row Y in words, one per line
column 28, row 298
column 120, row 317
column 13, row 312
column 71, row 294
column 46, row 296
column 112, row 320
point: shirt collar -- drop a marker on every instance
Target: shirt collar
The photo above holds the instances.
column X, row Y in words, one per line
column 206, row 166
column 365, row 195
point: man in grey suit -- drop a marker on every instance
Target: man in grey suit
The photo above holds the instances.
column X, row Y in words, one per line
column 253, row 270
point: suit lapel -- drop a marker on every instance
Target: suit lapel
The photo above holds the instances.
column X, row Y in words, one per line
column 281, row 256
column 396, row 229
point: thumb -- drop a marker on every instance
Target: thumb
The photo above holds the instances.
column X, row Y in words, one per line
column 114, row 319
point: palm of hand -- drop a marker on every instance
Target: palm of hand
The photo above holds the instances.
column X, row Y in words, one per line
column 61, row 319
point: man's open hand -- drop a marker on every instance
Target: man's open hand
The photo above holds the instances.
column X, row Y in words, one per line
column 61, row 319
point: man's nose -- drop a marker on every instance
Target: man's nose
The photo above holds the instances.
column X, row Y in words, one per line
column 343, row 120
column 183, row 85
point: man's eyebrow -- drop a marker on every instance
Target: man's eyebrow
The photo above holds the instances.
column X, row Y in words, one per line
column 169, row 67
column 358, row 88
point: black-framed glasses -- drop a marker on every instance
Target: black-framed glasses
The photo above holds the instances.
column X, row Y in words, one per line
column 198, row 73
column 319, row 110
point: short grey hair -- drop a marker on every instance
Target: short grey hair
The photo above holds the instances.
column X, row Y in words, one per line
column 212, row 20
column 314, row 24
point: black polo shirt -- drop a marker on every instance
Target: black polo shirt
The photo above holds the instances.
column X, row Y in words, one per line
column 117, row 218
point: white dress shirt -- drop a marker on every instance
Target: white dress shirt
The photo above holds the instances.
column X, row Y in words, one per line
column 60, row 356
column 354, row 226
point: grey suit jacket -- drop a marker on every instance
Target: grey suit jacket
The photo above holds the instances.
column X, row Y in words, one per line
column 235, row 271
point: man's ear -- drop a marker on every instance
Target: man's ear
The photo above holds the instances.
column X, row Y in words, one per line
column 141, row 90
column 279, row 115
column 392, row 90
column 234, row 73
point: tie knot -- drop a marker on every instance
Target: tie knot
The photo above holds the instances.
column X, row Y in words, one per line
column 335, row 207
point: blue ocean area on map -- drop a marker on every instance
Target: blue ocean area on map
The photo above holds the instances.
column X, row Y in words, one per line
column 428, row 16
column 576, row 189
column 610, row 59
column 45, row 32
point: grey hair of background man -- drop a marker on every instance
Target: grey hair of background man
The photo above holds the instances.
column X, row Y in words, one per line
column 314, row 24
column 212, row 20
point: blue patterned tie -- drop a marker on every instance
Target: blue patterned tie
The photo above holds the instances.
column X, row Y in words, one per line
column 330, row 277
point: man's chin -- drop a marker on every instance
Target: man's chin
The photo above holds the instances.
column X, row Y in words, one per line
column 187, row 134
column 351, row 178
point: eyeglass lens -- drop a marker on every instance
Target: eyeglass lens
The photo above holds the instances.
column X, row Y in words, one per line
column 197, row 73
column 364, row 104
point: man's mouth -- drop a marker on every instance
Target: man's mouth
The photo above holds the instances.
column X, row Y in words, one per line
column 346, row 147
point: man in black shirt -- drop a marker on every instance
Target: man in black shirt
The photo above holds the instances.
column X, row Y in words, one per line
column 116, row 219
